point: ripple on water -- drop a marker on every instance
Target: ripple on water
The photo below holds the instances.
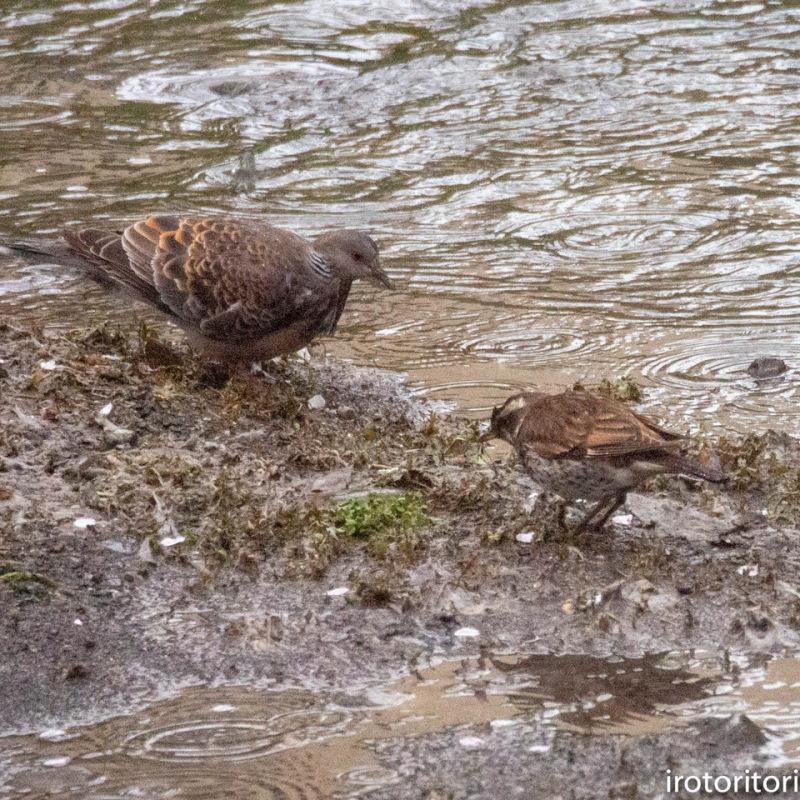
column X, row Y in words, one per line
column 569, row 191
column 518, row 698
column 228, row 733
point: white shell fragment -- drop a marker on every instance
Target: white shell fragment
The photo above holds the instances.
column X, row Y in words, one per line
column 749, row 570
column 54, row 735
column 622, row 519
column 49, row 366
column 467, row 633
column 526, row 537
column 59, row 761
column 338, row 591
column 503, row 723
column 471, row 742
column 169, row 541
column 145, row 552
column 317, row 402
column 113, row 434
column 124, row 548
column 84, row 522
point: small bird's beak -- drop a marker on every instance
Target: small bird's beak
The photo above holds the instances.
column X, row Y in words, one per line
column 380, row 278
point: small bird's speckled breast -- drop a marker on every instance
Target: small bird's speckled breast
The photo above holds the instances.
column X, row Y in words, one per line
column 572, row 479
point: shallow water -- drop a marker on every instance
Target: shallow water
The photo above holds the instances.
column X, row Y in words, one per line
column 566, row 190
column 242, row 742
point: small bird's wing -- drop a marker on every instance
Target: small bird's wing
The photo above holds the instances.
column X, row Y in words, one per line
column 583, row 425
column 233, row 281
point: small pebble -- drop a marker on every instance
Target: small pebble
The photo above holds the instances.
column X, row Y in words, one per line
column 338, row 591
column 622, row 519
column 317, row 402
column 525, row 538
column 119, row 547
column 345, row 412
column 84, row 522
column 48, row 365
column 467, row 633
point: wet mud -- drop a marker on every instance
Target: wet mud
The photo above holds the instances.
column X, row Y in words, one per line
column 311, row 535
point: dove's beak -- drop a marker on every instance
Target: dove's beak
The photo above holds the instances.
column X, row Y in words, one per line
column 380, row 278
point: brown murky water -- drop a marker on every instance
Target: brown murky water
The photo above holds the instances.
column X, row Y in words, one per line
column 566, row 190
column 238, row 742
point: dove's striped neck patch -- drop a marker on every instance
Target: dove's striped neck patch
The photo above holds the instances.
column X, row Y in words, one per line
column 319, row 264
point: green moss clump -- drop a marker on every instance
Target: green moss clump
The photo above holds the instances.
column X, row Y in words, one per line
column 382, row 520
column 624, row 389
column 21, row 580
column 752, row 460
column 767, row 463
column 105, row 338
column 230, row 515
column 387, row 524
column 154, row 352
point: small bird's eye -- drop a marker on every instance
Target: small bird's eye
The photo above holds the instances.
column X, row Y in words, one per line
column 358, row 257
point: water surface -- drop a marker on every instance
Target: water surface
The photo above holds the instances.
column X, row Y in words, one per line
column 566, row 190
column 240, row 742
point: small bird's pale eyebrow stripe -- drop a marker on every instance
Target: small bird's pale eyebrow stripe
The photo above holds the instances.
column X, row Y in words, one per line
column 511, row 406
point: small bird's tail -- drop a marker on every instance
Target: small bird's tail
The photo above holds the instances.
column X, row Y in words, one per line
column 684, row 464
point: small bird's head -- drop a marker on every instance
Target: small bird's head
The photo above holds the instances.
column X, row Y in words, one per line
column 353, row 255
column 506, row 419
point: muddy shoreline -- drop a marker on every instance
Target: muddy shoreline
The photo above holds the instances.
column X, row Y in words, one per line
column 192, row 533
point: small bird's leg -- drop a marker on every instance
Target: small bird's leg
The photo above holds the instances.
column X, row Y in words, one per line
column 561, row 514
column 618, row 501
column 257, row 372
column 584, row 523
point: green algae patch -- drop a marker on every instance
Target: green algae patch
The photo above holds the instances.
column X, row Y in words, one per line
column 624, row 389
column 388, row 526
column 22, row 581
column 385, row 521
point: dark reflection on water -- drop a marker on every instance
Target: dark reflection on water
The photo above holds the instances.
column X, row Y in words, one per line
column 567, row 190
column 629, row 689
column 243, row 743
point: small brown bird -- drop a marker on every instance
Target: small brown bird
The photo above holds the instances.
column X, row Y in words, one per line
column 241, row 291
column 581, row 445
